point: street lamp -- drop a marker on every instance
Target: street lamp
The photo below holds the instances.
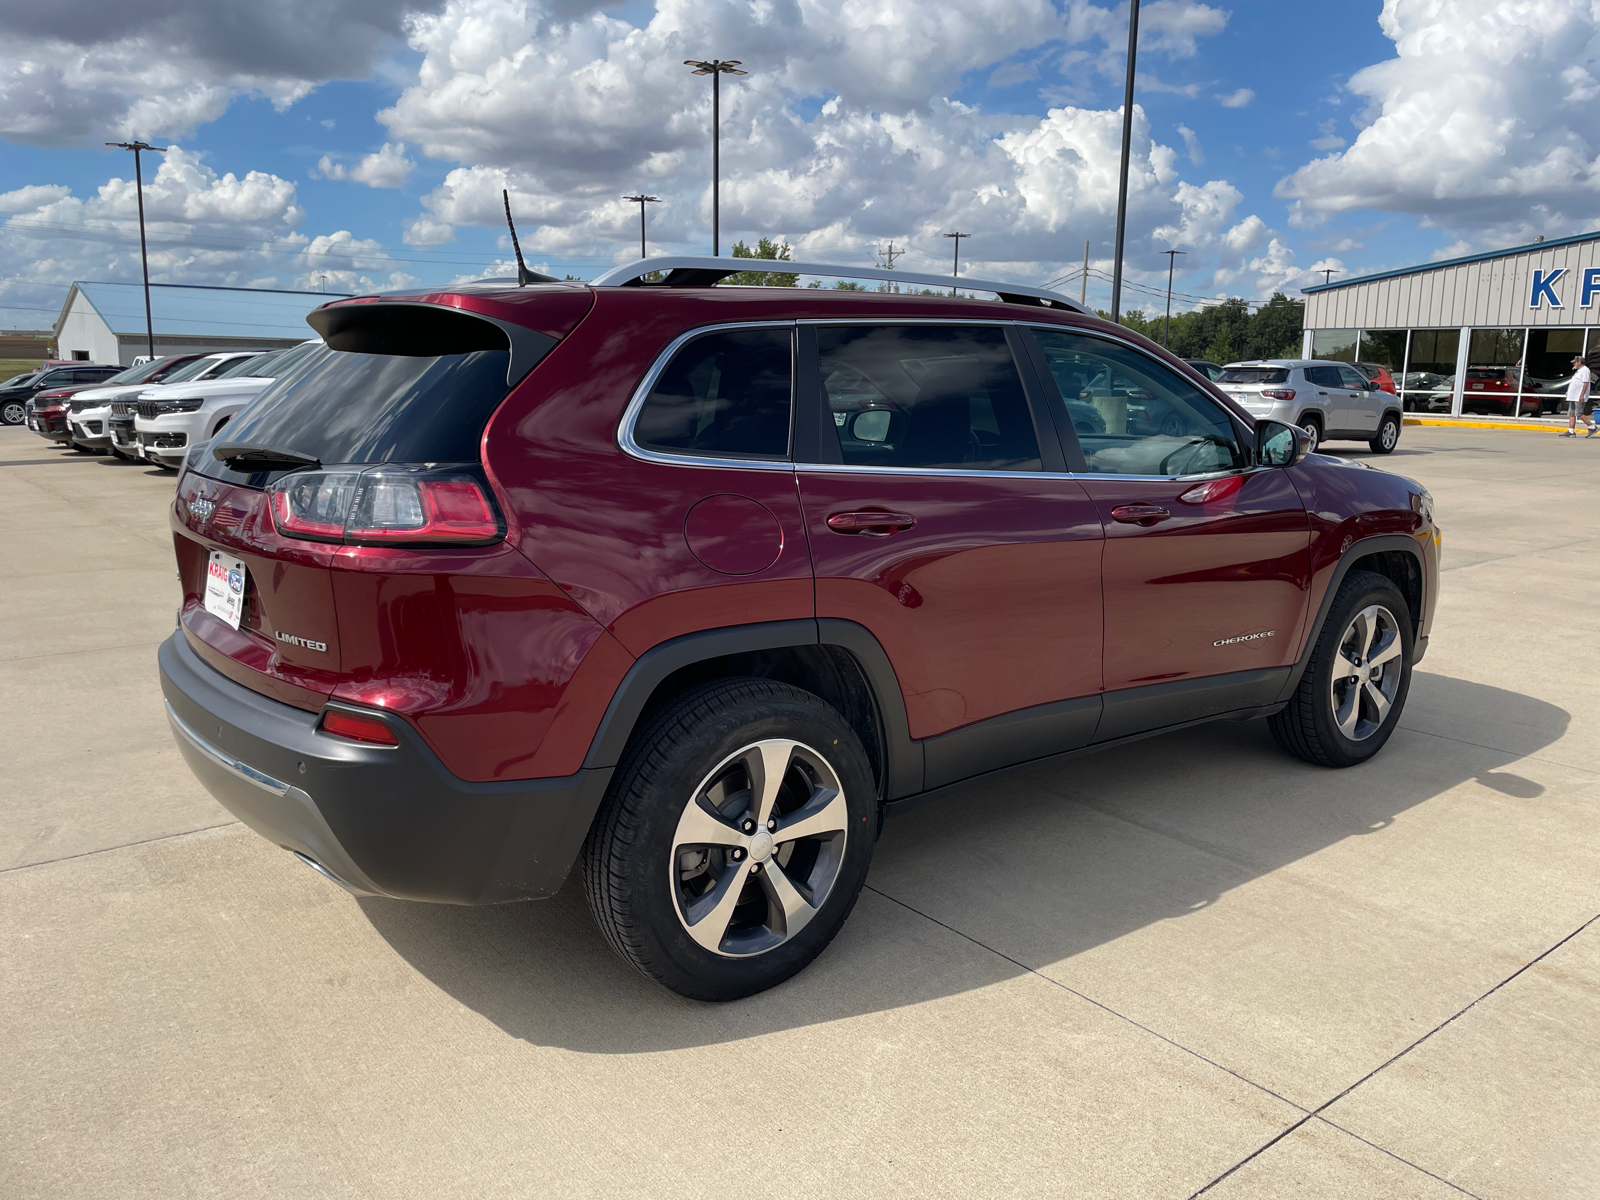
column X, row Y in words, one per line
column 955, row 269
column 641, row 200
column 1127, row 144
column 144, row 257
column 1172, row 257
column 716, row 68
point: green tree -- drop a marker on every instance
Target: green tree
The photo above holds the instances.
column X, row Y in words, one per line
column 765, row 248
column 1276, row 328
column 1221, row 349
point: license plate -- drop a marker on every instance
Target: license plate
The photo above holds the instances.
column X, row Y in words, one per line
column 225, row 579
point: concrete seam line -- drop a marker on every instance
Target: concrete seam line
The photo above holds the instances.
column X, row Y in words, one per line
column 1397, row 1158
column 1091, row 1000
column 165, row 837
column 1317, row 1112
column 85, row 650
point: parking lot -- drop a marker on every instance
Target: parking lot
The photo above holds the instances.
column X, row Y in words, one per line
column 1192, row 964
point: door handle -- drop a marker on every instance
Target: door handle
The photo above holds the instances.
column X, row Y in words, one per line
column 1139, row 514
column 871, row 524
column 1322, row 393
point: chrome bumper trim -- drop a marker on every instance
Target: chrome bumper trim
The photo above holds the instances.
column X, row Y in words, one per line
column 224, row 760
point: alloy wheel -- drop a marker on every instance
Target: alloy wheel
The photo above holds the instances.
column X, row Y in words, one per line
column 1366, row 672
column 13, row 414
column 1314, row 432
column 758, row 848
column 1389, row 435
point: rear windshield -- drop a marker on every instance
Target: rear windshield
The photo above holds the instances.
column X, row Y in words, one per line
column 1486, row 373
column 342, row 407
column 1254, row 375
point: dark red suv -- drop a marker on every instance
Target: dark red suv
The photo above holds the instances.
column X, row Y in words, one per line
column 688, row 586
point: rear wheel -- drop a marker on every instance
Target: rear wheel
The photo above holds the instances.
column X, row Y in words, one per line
column 734, row 839
column 1313, row 427
column 1354, row 688
column 1388, row 435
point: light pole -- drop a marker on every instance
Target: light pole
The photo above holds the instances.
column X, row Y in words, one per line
column 641, row 200
column 955, row 269
column 1327, row 276
column 1127, row 143
column 144, row 257
column 1172, row 257
column 716, row 68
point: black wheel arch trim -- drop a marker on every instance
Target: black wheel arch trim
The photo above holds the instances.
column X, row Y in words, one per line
column 1385, row 543
column 903, row 758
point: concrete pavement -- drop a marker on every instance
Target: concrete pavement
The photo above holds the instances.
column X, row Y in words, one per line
column 1193, row 965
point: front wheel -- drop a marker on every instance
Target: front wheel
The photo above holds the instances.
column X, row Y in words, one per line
column 12, row 413
column 1388, row 435
column 734, row 839
column 1313, row 431
column 1350, row 697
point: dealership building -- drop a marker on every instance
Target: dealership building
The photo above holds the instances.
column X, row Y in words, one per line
column 105, row 322
column 1486, row 333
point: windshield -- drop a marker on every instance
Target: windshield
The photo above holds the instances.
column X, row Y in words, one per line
column 189, row 370
column 239, row 366
column 136, row 374
column 1254, row 375
column 16, row 380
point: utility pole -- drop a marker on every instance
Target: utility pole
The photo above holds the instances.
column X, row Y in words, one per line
column 1127, row 145
column 1172, row 257
column 955, row 270
column 641, row 200
column 144, row 255
column 887, row 257
column 716, row 68
column 1083, row 292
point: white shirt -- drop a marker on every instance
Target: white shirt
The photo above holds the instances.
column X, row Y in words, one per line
column 1578, row 386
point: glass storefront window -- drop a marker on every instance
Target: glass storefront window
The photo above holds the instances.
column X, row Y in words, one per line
column 1335, row 345
column 1429, row 379
column 1549, row 367
column 1495, row 374
column 1383, row 348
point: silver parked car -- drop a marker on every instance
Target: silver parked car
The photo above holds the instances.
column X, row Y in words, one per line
column 1331, row 401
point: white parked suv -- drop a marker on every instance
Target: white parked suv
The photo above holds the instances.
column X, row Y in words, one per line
column 89, row 412
column 176, row 416
column 1331, row 401
column 124, row 412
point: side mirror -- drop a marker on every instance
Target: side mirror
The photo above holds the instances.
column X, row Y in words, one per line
column 870, row 425
column 1280, row 445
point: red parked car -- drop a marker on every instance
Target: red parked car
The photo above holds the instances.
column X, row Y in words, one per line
column 1378, row 374
column 688, row 586
column 1495, row 391
column 46, row 412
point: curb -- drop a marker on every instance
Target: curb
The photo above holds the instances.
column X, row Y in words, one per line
column 1524, row 426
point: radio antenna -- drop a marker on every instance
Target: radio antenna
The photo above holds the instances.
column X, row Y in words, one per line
column 524, row 276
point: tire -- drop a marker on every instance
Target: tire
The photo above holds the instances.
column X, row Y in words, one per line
column 666, row 901
column 1313, row 427
column 1309, row 727
column 12, row 413
column 1388, row 435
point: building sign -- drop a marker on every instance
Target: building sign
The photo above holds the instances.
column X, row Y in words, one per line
column 1544, row 288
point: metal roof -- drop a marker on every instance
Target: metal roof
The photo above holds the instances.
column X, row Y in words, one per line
column 1531, row 247
column 200, row 311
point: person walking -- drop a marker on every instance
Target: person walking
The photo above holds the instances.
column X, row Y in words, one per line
column 1577, row 393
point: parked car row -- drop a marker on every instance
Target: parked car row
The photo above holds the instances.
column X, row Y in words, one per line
column 155, row 411
column 1331, row 401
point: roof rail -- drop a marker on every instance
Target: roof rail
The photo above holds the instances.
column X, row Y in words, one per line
column 704, row 271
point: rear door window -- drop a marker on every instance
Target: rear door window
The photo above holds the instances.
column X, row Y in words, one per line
column 727, row 394
column 929, row 396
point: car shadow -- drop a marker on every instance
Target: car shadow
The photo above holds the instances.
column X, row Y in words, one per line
column 1113, row 841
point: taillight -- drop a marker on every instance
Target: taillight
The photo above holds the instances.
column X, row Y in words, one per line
column 1278, row 393
column 388, row 505
column 358, row 728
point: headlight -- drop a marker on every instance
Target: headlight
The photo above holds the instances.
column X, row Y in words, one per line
column 1422, row 505
column 182, row 405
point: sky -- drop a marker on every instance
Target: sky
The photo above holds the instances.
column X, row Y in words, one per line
column 362, row 145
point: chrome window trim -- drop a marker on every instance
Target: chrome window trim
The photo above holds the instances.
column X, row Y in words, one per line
column 630, row 415
column 626, row 442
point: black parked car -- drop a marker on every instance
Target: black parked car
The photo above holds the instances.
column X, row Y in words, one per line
column 1209, row 369
column 15, row 392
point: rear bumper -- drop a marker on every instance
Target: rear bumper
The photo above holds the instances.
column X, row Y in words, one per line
column 381, row 821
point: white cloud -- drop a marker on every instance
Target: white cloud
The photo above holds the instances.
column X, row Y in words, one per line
column 386, row 167
column 1175, row 26
column 75, row 71
column 1236, row 99
column 425, row 231
column 1329, row 139
column 1191, row 145
column 1486, row 121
